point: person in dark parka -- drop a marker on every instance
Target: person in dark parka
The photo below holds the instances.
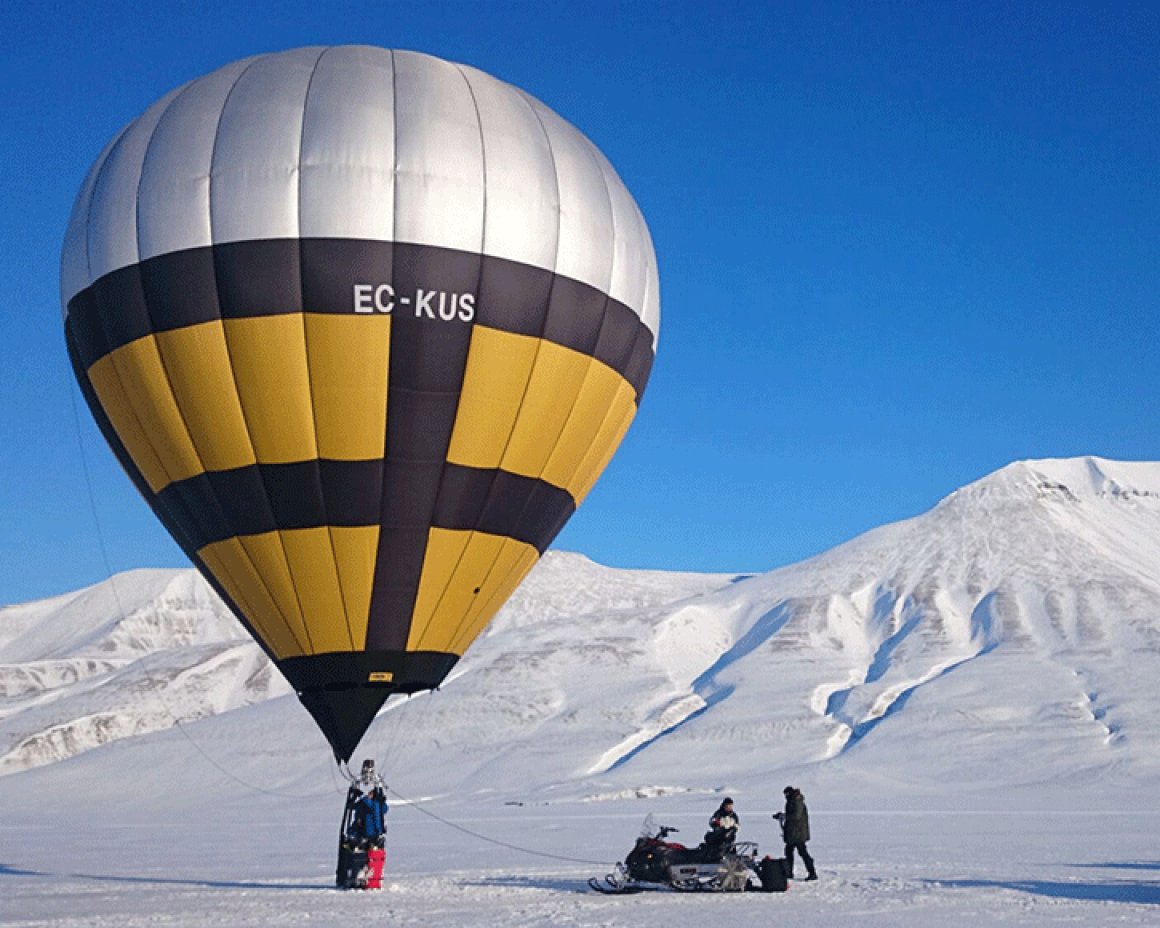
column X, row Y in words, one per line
column 795, row 828
column 722, row 830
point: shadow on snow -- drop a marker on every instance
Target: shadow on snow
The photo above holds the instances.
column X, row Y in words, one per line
column 1130, row 891
column 10, row 871
column 556, row 884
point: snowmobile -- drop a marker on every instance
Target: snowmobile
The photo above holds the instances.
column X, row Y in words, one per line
column 718, row 864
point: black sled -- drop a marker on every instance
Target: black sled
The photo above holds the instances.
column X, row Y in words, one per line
column 353, row 861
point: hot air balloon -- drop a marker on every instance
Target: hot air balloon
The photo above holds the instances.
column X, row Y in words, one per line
column 363, row 327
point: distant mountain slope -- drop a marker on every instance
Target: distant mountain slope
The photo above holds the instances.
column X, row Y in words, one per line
column 149, row 649
column 1016, row 624
column 137, row 653
column 1010, row 635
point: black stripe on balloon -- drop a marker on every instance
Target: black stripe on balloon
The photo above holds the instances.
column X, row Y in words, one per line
column 332, row 267
column 398, row 671
column 344, row 691
column 427, row 362
column 260, row 498
column 86, row 339
column 258, row 278
column 640, row 360
column 218, row 505
column 181, row 290
column 421, row 283
column 501, row 503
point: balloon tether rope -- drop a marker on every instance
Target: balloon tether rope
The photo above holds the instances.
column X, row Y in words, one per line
column 496, row 841
column 121, row 615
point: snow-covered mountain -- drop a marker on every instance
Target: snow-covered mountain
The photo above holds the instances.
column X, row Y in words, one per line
column 1008, row 637
column 140, row 652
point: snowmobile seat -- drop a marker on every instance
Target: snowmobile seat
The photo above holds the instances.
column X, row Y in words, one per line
column 717, row 843
column 685, row 855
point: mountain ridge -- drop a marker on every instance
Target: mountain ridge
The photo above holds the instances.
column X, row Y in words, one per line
column 1010, row 633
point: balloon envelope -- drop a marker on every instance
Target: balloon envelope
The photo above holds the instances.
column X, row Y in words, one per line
column 364, row 327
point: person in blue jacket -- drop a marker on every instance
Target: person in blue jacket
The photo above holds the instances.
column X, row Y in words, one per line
column 364, row 828
column 367, row 804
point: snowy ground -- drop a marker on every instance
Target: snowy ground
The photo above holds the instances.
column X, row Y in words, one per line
column 968, row 700
column 274, row 867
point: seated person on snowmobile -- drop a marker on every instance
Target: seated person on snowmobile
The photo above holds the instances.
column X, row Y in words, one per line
column 655, row 860
column 722, row 833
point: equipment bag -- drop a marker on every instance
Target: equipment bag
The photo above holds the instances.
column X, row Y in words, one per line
column 773, row 875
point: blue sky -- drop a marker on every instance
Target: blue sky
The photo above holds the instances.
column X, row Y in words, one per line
column 900, row 246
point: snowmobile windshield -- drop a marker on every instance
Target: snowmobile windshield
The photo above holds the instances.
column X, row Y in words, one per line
column 654, row 831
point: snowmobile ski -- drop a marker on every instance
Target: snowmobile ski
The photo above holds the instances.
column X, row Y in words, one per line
column 610, row 888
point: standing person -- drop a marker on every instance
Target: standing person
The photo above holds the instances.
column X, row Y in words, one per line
column 368, row 818
column 363, row 834
column 795, row 829
column 369, row 803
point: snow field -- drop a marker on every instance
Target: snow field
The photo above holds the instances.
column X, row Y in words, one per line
column 877, row 868
column 968, row 700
